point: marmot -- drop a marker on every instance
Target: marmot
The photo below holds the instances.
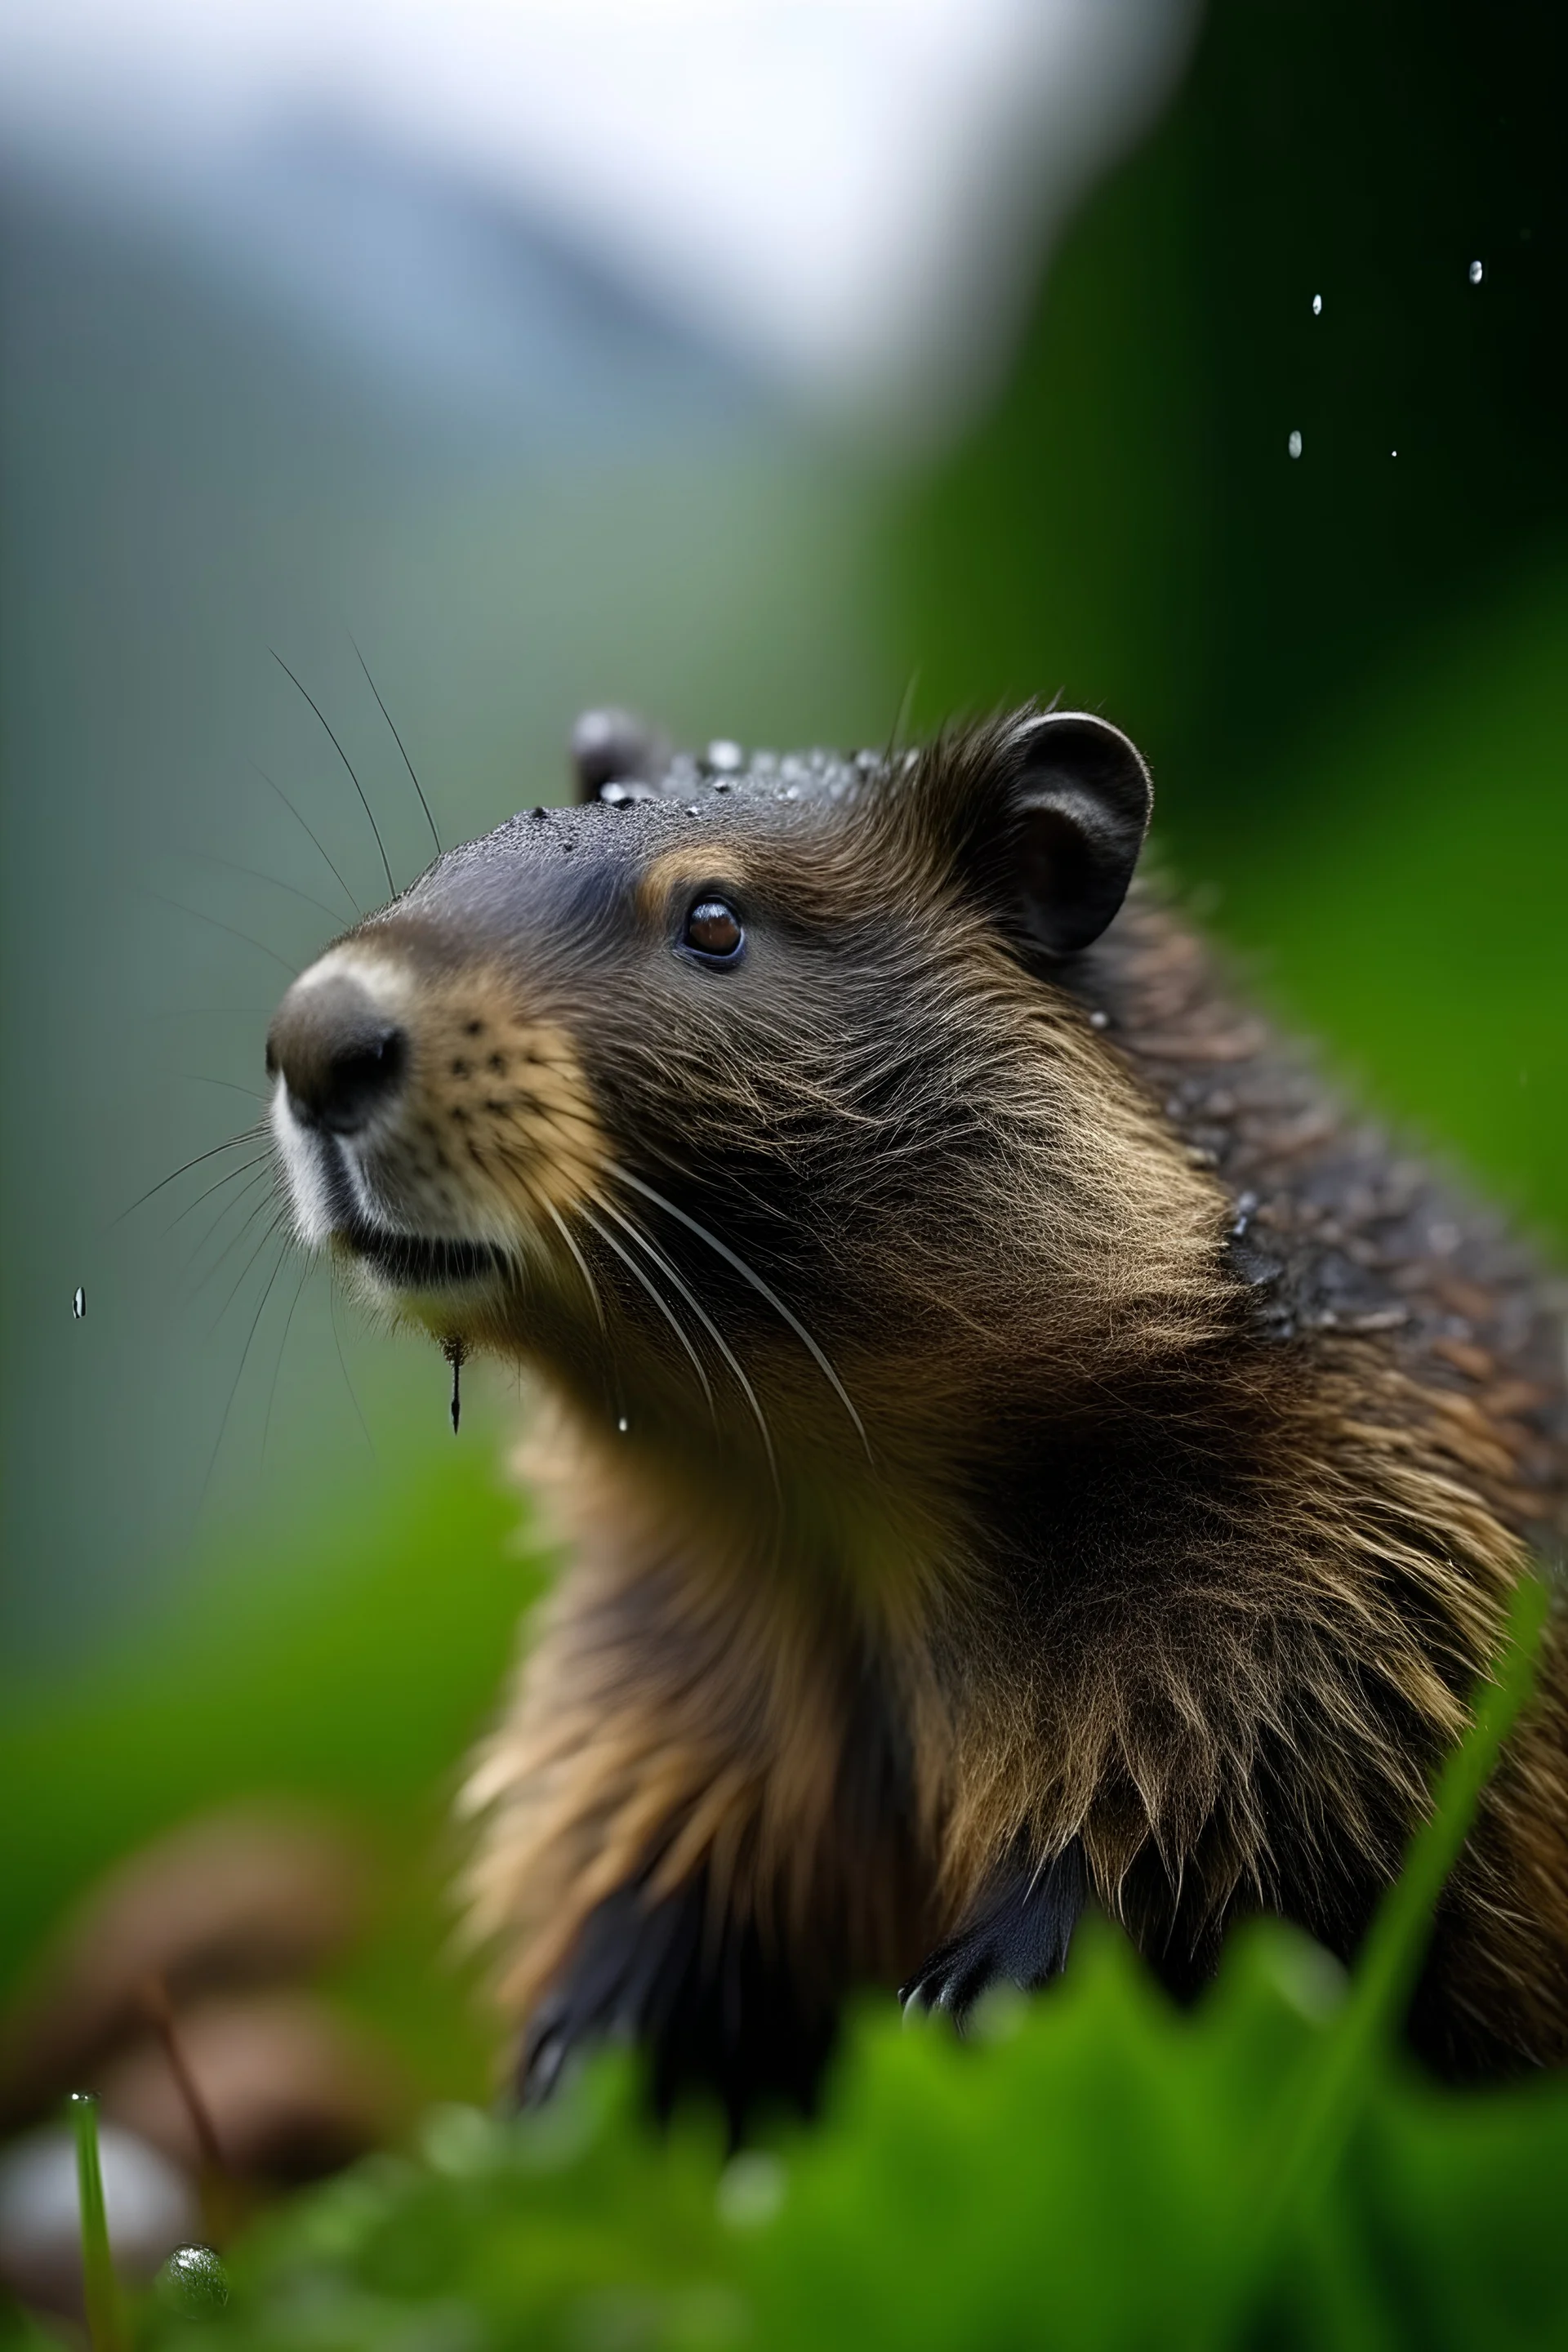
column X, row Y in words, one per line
column 1020, row 1443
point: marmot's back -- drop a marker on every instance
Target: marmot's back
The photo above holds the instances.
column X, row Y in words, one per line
column 1020, row 1443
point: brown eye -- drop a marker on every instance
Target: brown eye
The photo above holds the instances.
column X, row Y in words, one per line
column 713, row 931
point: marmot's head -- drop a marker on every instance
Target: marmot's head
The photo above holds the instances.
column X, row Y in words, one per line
column 765, row 1098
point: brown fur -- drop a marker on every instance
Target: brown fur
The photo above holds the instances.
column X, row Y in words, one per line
column 1151, row 1482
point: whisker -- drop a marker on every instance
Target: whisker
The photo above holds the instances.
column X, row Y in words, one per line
column 294, row 812
column 630, row 1226
column 901, row 717
column 243, row 1355
column 276, row 881
column 229, row 1247
column 343, row 756
column 196, row 915
column 234, row 1143
column 245, row 1190
column 278, row 1367
column 758, row 1285
column 633, row 1230
column 564, row 1230
column 200, row 1079
column 207, row 1191
column 635, row 1270
column 398, row 740
column 343, row 1362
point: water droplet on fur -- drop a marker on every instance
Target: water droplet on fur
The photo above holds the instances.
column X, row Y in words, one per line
column 78, row 1302
column 1476, row 273
column 1317, row 306
column 539, row 814
column 1294, row 444
column 726, row 757
column 623, row 1425
column 454, row 1350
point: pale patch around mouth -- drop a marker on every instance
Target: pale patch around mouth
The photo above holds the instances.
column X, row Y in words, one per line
column 336, row 1207
column 422, row 1261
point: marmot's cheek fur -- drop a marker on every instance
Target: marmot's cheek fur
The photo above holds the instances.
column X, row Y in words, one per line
column 1020, row 1442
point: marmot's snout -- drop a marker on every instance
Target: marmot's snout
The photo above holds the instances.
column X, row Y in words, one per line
column 338, row 1055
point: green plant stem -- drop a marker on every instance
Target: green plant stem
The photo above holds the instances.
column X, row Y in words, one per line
column 105, row 2311
column 1323, row 2110
column 1391, row 1960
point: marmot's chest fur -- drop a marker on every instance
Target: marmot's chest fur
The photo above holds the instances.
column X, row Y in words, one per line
column 1020, row 1443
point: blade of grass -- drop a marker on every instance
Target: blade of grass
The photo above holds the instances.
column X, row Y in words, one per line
column 1322, row 2111
column 105, row 2313
column 1390, row 1961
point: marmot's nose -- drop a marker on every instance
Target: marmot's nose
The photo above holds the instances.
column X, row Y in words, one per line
column 340, row 1056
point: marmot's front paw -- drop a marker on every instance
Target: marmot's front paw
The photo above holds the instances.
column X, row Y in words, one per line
column 716, row 2005
column 1018, row 1933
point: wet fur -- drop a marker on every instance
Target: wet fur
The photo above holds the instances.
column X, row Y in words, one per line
column 1204, row 1437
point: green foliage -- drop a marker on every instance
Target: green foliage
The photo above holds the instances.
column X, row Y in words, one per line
column 101, row 2287
column 350, row 1676
column 1094, row 2169
column 1346, row 671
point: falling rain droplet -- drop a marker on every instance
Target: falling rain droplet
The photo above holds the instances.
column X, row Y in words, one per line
column 1476, row 273
column 1294, row 444
column 1317, row 306
column 78, row 1303
column 623, row 1425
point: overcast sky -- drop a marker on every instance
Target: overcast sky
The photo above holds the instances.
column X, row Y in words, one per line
column 832, row 187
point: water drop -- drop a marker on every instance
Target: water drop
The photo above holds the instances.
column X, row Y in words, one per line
column 78, row 1303
column 454, row 1350
column 623, row 1425
column 194, row 2280
column 1098, row 1020
column 726, row 757
column 1476, row 273
column 1294, row 444
column 1317, row 306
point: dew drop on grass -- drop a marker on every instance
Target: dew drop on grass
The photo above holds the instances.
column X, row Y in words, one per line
column 1476, row 273
column 1294, row 444
column 194, row 2280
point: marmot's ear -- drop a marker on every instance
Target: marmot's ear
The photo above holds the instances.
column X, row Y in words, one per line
column 612, row 747
column 1075, row 803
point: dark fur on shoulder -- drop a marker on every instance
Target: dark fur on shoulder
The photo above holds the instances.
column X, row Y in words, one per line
column 1019, row 1441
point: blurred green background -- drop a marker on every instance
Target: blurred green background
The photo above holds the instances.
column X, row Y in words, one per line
column 241, row 1551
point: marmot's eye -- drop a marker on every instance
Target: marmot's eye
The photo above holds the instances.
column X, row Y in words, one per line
column 713, row 931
